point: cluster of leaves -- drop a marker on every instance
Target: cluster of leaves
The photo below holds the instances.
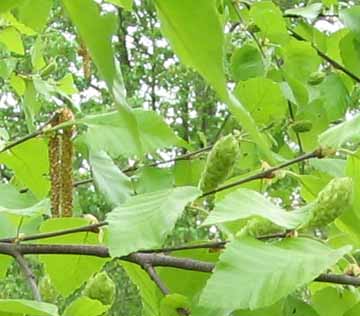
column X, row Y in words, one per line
column 264, row 72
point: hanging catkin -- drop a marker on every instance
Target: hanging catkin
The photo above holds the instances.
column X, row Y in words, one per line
column 66, row 154
column 54, row 160
column 61, row 175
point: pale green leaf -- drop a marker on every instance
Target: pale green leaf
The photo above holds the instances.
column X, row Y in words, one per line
column 310, row 12
column 109, row 179
column 30, row 163
column 126, row 4
column 339, row 134
column 84, row 306
column 354, row 311
column 295, row 307
column 144, row 220
column 149, row 292
column 37, row 58
column 11, row 38
column 6, row 5
column 7, row 66
column 184, row 23
column 300, row 59
column 13, row 202
column 96, row 30
column 35, row 13
column 336, row 97
column 268, row 17
column 246, row 63
column 78, row 268
column 263, row 98
column 66, row 85
column 350, row 52
column 152, row 179
column 18, row 84
column 333, row 167
column 109, row 132
column 351, row 18
column 332, row 301
column 278, row 269
column 27, row 307
column 244, row 203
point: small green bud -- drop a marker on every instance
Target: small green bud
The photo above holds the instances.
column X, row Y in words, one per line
column 101, row 288
column 261, row 226
column 302, row 126
column 48, row 70
column 316, row 78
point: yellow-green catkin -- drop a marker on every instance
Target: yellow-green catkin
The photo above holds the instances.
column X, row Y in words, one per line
column 220, row 163
column 331, row 202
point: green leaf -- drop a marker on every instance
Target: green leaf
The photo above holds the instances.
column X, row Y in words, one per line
column 31, row 104
column 6, row 5
column 273, row 310
column 18, row 84
column 332, row 301
column 339, row 134
column 188, row 172
column 170, row 304
column 333, row 167
column 66, row 85
column 97, row 30
column 84, row 306
column 27, row 307
column 184, row 23
column 314, row 112
column 11, row 38
column 35, row 13
column 351, row 19
column 23, row 204
column 310, row 12
column 300, row 59
column 296, row 307
column 336, row 97
column 278, row 269
column 7, row 66
column 144, row 220
column 350, row 52
column 153, row 179
column 109, row 132
column 37, row 58
column 126, row 4
column 244, row 203
column 354, row 311
column 186, row 282
column 78, row 268
column 268, row 17
column 246, row 63
column 155, row 133
column 263, row 98
column 148, row 290
column 109, row 179
column 30, row 163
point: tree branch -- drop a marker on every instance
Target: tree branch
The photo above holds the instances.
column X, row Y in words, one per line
column 29, row 275
column 87, row 228
column 155, row 277
column 153, row 259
